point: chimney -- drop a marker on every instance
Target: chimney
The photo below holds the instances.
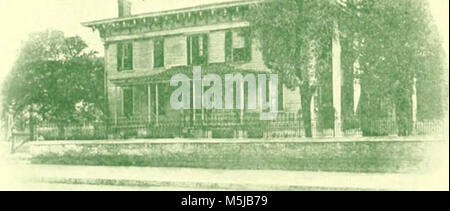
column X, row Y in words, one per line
column 124, row 8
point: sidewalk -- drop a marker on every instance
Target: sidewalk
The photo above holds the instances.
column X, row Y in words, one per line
column 203, row 179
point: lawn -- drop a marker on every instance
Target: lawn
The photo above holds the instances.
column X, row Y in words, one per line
column 377, row 156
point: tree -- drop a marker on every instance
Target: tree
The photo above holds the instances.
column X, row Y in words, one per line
column 399, row 45
column 55, row 78
column 295, row 38
column 393, row 42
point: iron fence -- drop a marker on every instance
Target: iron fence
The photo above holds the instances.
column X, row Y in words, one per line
column 209, row 125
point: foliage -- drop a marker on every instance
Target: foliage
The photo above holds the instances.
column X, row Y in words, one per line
column 295, row 38
column 55, row 78
column 393, row 42
column 397, row 44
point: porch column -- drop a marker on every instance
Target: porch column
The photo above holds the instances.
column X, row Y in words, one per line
column 157, row 104
column 337, row 81
column 197, row 89
column 149, row 102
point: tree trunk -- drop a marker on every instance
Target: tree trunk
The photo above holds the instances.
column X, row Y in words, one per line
column 369, row 114
column 61, row 131
column 306, row 97
column 31, row 125
column 31, row 128
column 375, row 118
column 337, row 80
column 403, row 115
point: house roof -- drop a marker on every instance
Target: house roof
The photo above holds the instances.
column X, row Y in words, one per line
column 165, row 75
column 211, row 6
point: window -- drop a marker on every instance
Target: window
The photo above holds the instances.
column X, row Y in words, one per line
column 228, row 46
column 128, row 102
column 238, row 46
column 124, row 56
column 158, row 53
column 197, row 49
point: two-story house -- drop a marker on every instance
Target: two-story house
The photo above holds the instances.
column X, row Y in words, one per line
column 143, row 51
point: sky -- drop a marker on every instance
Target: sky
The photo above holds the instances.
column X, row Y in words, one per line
column 19, row 18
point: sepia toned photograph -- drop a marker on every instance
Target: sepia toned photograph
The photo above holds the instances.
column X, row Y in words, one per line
column 224, row 95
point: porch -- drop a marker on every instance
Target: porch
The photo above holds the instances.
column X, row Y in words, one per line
column 140, row 108
column 207, row 124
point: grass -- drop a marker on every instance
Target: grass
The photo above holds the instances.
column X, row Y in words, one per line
column 369, row 157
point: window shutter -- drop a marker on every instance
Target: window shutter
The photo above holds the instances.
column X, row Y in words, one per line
column 128, row 102
column 248, row 45
column 195, row 50
column 205, row 48
column 129, row 57
column 119, row 57
column 158, row 54
column 228, row 46
column 188, row 49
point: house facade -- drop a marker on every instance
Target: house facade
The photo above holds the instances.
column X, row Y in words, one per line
column 142, row 53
